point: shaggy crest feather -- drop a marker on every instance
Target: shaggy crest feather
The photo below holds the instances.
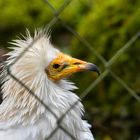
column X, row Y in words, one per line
column 20, row 113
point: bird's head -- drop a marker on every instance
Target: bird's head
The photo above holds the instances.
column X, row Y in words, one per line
column 43, row 57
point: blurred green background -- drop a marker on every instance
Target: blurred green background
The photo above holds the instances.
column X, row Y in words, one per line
column 107, row 26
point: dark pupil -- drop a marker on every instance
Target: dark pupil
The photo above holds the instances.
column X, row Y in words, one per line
column 56, row 66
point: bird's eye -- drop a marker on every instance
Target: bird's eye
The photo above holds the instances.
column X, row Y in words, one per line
column 56, row 66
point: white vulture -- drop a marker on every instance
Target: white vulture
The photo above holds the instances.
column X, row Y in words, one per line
column 43, row 69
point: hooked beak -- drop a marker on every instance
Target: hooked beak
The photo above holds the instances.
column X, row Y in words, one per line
column 65, row 65
column 92, row 67
column 77, row 65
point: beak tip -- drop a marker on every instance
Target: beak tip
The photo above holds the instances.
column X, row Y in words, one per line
column 93, row 67
column 98, row 73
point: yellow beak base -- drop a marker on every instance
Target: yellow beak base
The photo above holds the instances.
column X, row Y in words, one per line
column 64, row 65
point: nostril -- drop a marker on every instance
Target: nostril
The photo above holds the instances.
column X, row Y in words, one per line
column 76, row 63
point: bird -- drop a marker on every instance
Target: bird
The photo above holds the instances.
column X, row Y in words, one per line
column 44, row 69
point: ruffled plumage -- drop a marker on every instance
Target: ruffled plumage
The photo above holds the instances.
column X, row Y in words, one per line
column 22, row 117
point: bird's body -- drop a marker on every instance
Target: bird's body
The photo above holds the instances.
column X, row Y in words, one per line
column 22, row 117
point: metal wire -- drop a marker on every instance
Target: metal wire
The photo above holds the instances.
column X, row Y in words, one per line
column 107, row 65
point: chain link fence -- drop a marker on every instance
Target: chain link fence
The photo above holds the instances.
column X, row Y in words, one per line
column 106, row 72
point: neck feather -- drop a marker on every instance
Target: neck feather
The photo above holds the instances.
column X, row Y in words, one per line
column 19, row 103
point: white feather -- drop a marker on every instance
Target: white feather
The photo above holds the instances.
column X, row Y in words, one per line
column 22, row 117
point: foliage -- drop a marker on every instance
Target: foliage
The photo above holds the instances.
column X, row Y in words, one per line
column 107, row 27
column 17, row 15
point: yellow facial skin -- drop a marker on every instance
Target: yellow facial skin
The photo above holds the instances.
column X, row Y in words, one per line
column 65, row 65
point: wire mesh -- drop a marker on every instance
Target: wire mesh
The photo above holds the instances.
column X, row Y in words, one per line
column 107, row 65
